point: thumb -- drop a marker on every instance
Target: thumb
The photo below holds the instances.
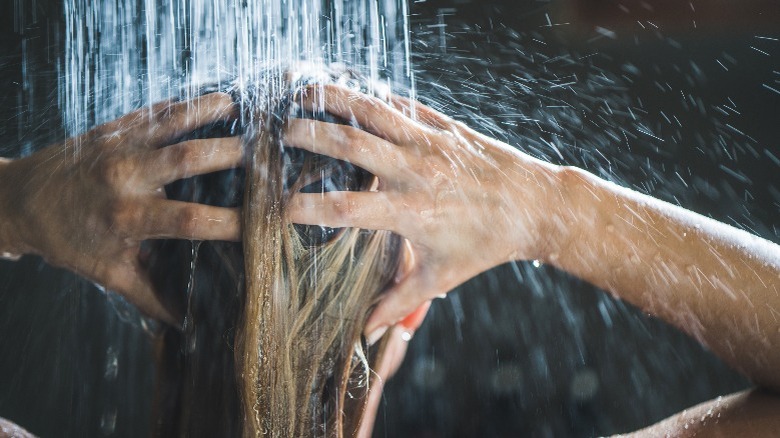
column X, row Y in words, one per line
column 134, row 285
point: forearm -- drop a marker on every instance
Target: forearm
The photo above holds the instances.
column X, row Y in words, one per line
column 719, row 284
column 753, row 413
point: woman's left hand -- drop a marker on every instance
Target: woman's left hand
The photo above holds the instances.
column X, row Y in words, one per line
column 464, row 202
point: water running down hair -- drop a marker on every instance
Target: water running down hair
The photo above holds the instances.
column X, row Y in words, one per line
column 272, row 338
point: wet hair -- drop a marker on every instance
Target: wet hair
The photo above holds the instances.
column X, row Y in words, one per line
column 271, row 342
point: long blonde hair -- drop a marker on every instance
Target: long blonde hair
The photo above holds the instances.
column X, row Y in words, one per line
column 301, row 365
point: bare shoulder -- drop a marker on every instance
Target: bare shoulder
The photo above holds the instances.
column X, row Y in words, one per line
column 11, row 430
column 753, row 413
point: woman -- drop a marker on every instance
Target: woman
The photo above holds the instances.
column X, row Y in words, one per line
column 439, row 179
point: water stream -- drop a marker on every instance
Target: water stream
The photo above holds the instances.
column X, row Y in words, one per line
column 123, row 54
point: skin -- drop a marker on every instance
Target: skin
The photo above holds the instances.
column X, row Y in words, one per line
column 87, row 204
column 438, row 188
column 466, row 203
column 752, row 413
column 11, row 430
column 398, row 338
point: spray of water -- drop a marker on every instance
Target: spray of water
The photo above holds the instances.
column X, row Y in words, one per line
column 123, row 54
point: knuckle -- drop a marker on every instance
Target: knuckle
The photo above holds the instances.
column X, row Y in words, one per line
column 220, row 98
column 349, row 137
column 330, row 88
column 115, row 171
column 187, row 221
column 218, row 101
column 425, row 169
column 97, row 134
column 308, row 89
column 344, row 210
column 309, row 93
column 163, row 114
column 185, row 154
column 449, row 139
column 100, row 134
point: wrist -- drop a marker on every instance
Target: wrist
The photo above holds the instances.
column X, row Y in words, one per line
column 571, row 215
column 537, row 199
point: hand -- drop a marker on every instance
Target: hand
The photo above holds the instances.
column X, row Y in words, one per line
column 388, row 362
column 87, row 203
column 464, row 202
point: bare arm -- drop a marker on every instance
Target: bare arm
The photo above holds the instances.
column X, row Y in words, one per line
column 719, row 284
column 752, row 413
column 87, row 203
column 467, row 203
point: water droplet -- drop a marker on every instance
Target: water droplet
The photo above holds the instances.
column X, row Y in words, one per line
column 507, row 378
column 536, row 263
column 108, row 422
column 112, row 364
column 192, row 342
column 427, row 373
column 584, row 385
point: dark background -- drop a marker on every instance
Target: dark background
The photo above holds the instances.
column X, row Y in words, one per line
column 520, row 350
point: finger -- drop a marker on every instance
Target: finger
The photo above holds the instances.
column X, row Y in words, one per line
column 386, row 362
column 418, row 111
column 164, row 122
column 414, row 320
column 393, row 355
column 401, row 300
column 168, row 219
column 192, row 157
column 346, row 143
column 368, row 210
column 368, row 112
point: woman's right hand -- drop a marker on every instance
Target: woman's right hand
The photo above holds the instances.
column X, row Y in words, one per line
column 464, row 202
column 87, row 203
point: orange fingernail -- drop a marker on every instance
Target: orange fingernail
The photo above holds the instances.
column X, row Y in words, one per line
column 413, row 320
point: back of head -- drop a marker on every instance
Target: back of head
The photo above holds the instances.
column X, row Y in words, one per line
column 272, row 337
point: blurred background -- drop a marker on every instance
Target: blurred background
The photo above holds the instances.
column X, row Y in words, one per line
column 675, row 99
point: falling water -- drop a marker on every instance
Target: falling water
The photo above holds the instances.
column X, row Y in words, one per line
column 123, row 54
column 120, row 55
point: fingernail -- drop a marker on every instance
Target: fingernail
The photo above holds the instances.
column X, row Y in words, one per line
column 413, row 320
column 374, row 336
